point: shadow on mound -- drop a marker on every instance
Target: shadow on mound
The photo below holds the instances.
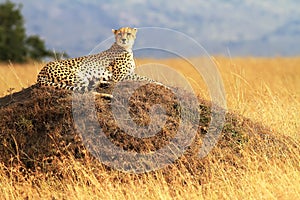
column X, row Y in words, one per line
column 37, row 133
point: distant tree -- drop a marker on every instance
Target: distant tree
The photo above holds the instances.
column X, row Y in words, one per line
column 35, row 48
column 14, row 44
column 12, row 33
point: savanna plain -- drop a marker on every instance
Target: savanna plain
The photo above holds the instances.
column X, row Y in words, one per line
column 264, row 90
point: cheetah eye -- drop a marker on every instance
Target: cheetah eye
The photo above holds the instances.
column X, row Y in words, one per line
column 128, row 33
column 119, row 34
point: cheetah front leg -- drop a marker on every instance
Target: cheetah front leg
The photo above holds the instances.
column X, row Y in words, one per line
column 136, row 77
column 103, row 95
column 102, row 84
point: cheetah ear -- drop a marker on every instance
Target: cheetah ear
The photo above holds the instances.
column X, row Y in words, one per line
column 135, row 29
column 114, row 31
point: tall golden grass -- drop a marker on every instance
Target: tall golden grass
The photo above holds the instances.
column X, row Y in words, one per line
column 14, row 77
column 266, row 90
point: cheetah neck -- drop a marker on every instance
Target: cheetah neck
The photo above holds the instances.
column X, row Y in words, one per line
column 116, row 46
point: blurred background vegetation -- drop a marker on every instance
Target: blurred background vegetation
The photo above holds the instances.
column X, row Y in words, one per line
column 15, row 45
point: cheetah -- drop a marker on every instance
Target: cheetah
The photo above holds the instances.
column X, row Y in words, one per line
column 86, row 73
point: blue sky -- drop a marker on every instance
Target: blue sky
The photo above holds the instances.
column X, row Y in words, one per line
column 243, row 28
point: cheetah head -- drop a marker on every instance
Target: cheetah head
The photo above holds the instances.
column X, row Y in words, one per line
column 125, row 37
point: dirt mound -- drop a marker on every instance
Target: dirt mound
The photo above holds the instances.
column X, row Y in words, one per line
column 37, row 131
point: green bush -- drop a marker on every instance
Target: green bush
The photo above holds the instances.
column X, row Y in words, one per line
column 15, row 45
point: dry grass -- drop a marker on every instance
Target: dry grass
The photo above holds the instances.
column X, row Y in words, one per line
column 14, row 77
column 264, row 90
